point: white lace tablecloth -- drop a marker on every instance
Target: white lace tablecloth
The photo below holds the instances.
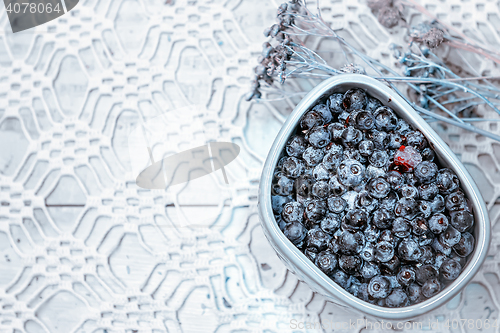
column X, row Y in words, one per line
column 83, row 249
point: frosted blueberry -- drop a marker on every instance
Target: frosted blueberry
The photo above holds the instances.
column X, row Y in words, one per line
column 350, row 172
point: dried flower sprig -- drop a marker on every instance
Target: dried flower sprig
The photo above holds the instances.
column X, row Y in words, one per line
column 432, row 83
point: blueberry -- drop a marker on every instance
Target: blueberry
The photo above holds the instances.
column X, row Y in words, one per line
column 425, row 208
column 450, row 269
column 317, row 239
column 380, row 139
column 351, row 137
column 369, row 270
column 408, row 191
column 372, row 104
column 462, row 220
column 403, row 127
column 330, row 223
column 284, row 186
column 371, row 232
column 326, row 262
column 426, row 172
column 280, row 222
column 437, row 204
column 406, row 207
column 335, row 103
column 415, row 293
column 313, row 156
column 379, row 188
column 373, row 172
column 465, row 246
column 450, row 236
column 385, row 119
column 366, row 148
column 277, row 203
column 336, row 188
column 352, row 153
column 320, row 189
column 354, row 287
column 395, row 179
column 293, row 167
column 431, row 288
column 318, row 137
column 416, row 140
column 428, row 256
column 379, row 287
column 334, row 245
column 425, row 238
column 321, row 172
column 341, row 278
column 331, row 160
column 428, row 155
column 303, row 185
column 350, row 264
column 379, row 159
column 406, row 275
column 438, row 246
column 389, row 202
column 390, row 267
column 293, row 212
column 411, row 179
column 310, row 224
column 311, row 254
column 315, row 209
column 419, row 225
column 355, row 219
column 366, row 202
column 336, row 130
column 424, row 273
column 438, row 223
column 311, row 119
column 367, row 253
column 428, row 191
column 324, row 111
column 395, row 141
column 384, row 251
column 296, row 146
column 401, row 227
column 351, row 243
column 350, row 172
column 439, row 259
column 354, row 99
column 397, row 299
column 447, row 181
column 336, row 204
column 382, row 218
column 386, row 235
column 344, row 116
column 456, row 201
column 364, row 120
column 296, row 233
column 409, row 250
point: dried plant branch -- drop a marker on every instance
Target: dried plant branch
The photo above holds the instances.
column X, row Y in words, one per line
column 424, row 73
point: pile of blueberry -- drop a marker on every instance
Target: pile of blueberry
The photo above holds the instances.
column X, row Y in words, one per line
column 359, row 192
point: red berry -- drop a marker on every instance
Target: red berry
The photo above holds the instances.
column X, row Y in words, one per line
column 408, row 157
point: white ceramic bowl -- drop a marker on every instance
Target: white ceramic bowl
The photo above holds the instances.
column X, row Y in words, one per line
column 303, row 268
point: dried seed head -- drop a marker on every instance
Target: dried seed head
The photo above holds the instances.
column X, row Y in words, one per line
column 389, row 17
column 433, row 38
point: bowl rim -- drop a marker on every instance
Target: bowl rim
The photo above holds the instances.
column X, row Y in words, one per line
column 327, row 286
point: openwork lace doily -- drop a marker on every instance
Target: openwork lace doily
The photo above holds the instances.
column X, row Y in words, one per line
column 83, row 249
